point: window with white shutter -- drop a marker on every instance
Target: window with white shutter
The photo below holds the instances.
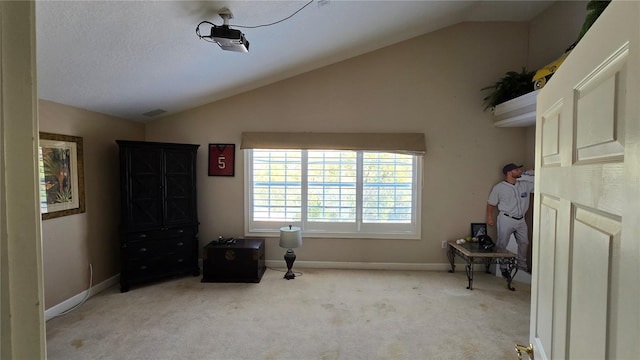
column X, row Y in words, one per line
column 333, row 193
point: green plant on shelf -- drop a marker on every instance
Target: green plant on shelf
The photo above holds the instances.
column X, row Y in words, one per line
column 512, row 85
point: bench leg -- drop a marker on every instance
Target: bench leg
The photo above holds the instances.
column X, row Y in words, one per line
column 469, row 269
column 452, row 259
column 512, row 267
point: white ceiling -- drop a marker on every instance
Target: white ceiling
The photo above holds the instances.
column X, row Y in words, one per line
column 128, row 58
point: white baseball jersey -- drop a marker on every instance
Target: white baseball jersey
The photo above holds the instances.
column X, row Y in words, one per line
column 512, row 200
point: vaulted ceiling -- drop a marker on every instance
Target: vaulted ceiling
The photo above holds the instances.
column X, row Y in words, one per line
column 128, row 58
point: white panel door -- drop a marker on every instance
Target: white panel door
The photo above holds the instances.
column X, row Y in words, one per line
column 585, row 288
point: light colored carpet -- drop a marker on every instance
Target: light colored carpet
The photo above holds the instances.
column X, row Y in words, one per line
column 324, row 314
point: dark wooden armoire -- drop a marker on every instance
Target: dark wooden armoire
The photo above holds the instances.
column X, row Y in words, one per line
column 159, row 224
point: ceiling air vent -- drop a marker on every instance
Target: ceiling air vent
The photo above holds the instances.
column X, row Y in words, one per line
column 155, row 112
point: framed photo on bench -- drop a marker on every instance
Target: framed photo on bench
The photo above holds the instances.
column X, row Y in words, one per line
column 478, row 229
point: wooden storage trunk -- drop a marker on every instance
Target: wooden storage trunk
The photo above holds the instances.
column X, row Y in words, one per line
column 242, row 261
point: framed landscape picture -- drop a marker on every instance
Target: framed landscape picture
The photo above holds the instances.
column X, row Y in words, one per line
column 61, row 175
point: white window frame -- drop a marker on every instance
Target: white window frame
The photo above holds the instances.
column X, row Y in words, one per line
column 335, row 229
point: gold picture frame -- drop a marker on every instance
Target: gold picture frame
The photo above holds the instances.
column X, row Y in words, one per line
column 61, row 175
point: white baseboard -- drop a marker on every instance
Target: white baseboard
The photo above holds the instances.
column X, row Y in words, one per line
column 360, row 265
column 56, row 310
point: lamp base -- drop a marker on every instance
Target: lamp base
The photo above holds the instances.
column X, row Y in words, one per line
column 289, row 258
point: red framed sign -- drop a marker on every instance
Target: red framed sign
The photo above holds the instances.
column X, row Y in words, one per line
column 222, row 159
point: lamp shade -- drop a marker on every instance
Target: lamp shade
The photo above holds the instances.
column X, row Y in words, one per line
column 290, row 237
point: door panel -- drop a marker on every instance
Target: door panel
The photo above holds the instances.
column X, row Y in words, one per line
column 546, row 265
column 143, row 205
column 587, row 209
column 600, row 104
column 550, row 144
column 593, row 237
column 180, row 202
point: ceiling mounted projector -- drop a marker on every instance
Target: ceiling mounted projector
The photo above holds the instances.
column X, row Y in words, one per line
column 227, row 38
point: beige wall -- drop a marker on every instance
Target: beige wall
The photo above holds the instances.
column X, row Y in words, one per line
column 553, row 31
column 71, row 243
column 429, row 84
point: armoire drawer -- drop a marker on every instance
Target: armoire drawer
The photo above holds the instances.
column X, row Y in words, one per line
column 149, row 248
column 150, row 266
column 187, row 231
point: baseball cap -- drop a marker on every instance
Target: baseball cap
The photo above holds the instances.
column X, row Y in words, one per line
column 510, row 167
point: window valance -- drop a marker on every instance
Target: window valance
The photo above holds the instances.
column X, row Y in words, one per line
column 411, row 143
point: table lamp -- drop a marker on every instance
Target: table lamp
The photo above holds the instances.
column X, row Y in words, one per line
column 290, row 237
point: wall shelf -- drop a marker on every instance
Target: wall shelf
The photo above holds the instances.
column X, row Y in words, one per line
column 518, row 112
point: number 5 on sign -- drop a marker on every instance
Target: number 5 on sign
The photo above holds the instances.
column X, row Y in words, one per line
column 221, row 159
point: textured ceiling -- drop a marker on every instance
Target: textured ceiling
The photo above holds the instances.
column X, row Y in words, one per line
column 127, row 58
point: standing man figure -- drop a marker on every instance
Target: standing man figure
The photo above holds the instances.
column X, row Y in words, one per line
column 511, row 198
